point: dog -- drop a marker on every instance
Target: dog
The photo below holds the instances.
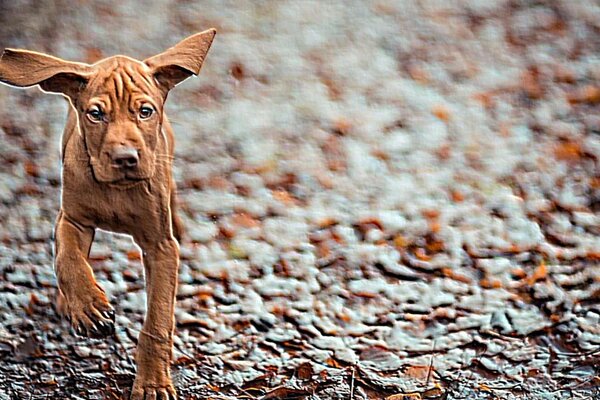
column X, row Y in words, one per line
column 117, row 152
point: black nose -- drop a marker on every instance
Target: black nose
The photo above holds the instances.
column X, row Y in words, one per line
column 125, row 157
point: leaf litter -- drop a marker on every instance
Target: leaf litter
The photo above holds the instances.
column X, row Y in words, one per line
column 400, row 203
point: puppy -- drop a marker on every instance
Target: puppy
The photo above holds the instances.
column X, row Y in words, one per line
column 117, row 151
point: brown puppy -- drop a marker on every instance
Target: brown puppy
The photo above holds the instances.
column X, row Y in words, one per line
column 117, row 152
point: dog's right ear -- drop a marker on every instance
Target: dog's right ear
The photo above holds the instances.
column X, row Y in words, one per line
column 24, row 68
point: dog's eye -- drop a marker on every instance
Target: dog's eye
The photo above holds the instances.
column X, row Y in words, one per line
column 146, row 112
column 95, row 114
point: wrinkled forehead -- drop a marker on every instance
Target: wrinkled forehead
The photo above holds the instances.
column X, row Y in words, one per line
column 119, row 80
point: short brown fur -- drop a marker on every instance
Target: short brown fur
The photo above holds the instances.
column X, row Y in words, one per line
column 117, row 158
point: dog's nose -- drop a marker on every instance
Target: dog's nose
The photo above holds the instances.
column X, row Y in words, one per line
column 125, row 157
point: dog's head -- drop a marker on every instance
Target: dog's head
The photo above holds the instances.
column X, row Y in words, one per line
column 119, row 101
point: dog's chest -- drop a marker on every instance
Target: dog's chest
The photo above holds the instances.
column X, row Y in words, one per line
column 114, row 209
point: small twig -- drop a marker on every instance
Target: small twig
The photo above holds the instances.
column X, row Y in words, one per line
column 247, row 393
column 352, row 384
column 430, row 366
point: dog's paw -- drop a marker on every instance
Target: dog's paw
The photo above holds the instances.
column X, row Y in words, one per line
column 89, row 313
column 146, row 392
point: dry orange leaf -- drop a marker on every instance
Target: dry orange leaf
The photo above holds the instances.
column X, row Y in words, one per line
column 333, row 363
column 99, row 257
column 382, row 155
column 531, row 84
column 435, row 246
column 284, row 196
column 450, row 273
column 588, row 94
column 372, row 221
column 33, row 301
column 203, row 297
column 214, row 388
column 134, row 255
column 441, row 112
column 278, row 310
column 344, row 317
column 218, row 182
column 485, row 98
column 400, row 242
column 367, row 295
column 457, row 196
column 342, row 126
column 305, row 371
column 323, row 250
column 421, row 255
column 444, row 152
column 31, row 168
column 563, row 74
column 435, row 227
column 326, row 222
column 518, row 273
column 405, row 396
column 244, row 220
column 541, row 272
column 418, row 74
column 333, row 89
column 418, row 371
column 514, row 249
column 484, row 387
column 593, row 255
column 325, row 181
column 490, row 283
column 431, row 213
column 568, row 151
column 336, row 236
column 29, row 189
column 237, row 70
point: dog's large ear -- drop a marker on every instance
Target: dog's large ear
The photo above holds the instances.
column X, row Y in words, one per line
column 24, row 68
column 182, row 60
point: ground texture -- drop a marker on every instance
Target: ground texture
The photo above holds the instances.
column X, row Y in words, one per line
column 383, row 200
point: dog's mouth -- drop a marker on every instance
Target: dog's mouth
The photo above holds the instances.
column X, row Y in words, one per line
column 123, row 178
column 127, row 182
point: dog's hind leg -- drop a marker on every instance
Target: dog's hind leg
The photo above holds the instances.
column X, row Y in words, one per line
column 80, row 298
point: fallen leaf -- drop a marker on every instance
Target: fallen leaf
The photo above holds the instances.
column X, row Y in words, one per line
column 568, row 151
column 31, row 168
column 419, row 372
column 405, row 396
column 541, row 272
column 134, row 255
column 441, row 112
column 304, row 371
column 588, row 94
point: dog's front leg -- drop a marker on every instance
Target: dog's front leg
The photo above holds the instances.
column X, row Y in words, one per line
column 80, row 298
column 155, row 342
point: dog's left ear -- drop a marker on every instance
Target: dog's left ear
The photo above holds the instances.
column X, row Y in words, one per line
column 182, row 60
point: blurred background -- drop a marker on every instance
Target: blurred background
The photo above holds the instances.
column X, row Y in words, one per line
column 380, row 197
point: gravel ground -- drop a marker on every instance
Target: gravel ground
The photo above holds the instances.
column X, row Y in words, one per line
column 381, row 198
